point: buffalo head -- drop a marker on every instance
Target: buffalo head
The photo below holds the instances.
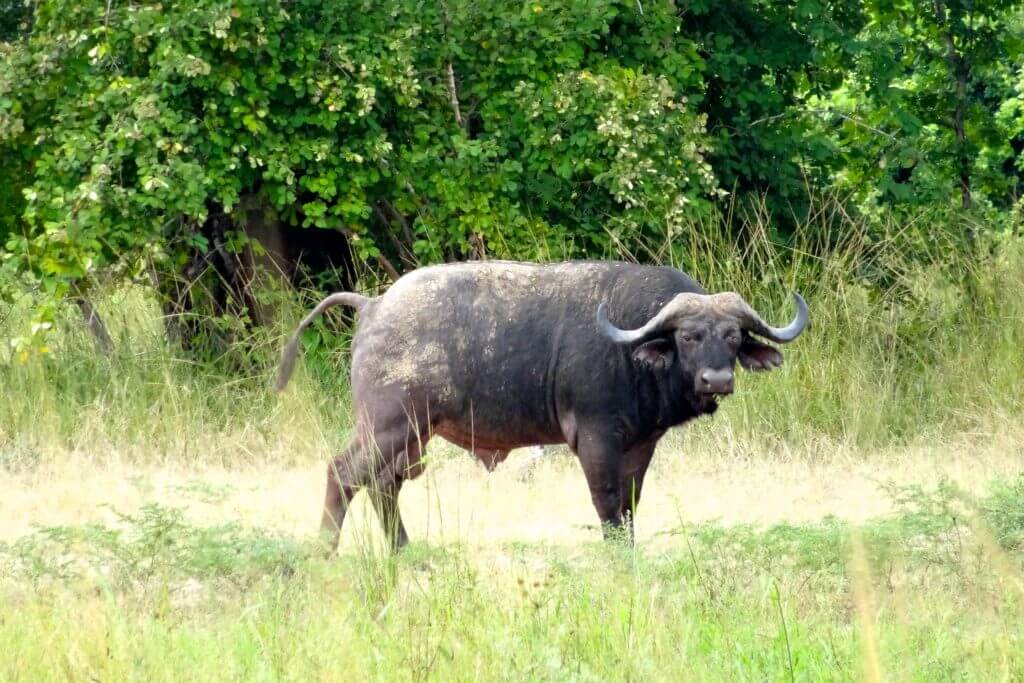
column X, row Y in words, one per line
column 702, row 336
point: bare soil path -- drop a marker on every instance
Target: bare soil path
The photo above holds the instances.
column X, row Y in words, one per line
column 457, row 500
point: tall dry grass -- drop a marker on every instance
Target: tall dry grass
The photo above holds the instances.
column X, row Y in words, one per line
column 912, row 338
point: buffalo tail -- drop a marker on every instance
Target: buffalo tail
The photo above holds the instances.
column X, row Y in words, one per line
column 291, row 350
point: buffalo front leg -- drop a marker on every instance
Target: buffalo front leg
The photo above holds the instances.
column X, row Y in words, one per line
column 600, row 456
column 632, row 482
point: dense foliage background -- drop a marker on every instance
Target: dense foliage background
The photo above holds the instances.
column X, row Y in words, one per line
column 144, row 140
column 156, row 157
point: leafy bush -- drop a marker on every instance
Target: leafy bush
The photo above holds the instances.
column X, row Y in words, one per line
column 418, row 132
column 141, row 138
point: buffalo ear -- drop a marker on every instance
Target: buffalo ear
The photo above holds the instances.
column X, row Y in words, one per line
column 656, row 354
column 755, row 356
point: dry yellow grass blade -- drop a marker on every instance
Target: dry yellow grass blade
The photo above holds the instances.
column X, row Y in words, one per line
column 864, row 604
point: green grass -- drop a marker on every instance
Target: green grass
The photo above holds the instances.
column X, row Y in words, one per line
column 156, row 597
column 909, row 347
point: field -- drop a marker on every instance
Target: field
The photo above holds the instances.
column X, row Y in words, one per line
column 857, row 515
column 744, row 569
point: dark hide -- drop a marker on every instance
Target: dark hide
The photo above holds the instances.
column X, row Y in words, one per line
column 494, row 356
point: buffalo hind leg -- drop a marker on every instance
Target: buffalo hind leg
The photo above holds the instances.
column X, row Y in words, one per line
column 384, row 493
column 385, row 502
column 379, row 461
column 346, row 474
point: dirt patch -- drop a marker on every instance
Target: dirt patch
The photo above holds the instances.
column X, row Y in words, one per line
column 457, row 500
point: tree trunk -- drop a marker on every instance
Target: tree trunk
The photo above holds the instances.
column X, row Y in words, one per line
column 961, row 140
column 264, row 259
column 94, row 322
column 960, row 71
column 218, row 281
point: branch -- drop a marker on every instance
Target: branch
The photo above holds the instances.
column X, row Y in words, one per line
column 830, row 112
column 406, row 228
column 389, row 268
column 768, row 119
column 420, row 202
column 404, row 252
column 858, row 122
column 454, row 95
column 479, row 249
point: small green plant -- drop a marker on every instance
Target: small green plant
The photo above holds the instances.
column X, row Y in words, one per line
column 157, row 543
column 1003, row 509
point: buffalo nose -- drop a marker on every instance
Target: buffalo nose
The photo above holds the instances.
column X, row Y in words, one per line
column 716, row 381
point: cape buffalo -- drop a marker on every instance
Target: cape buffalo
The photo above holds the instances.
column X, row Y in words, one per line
column 602, row 356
